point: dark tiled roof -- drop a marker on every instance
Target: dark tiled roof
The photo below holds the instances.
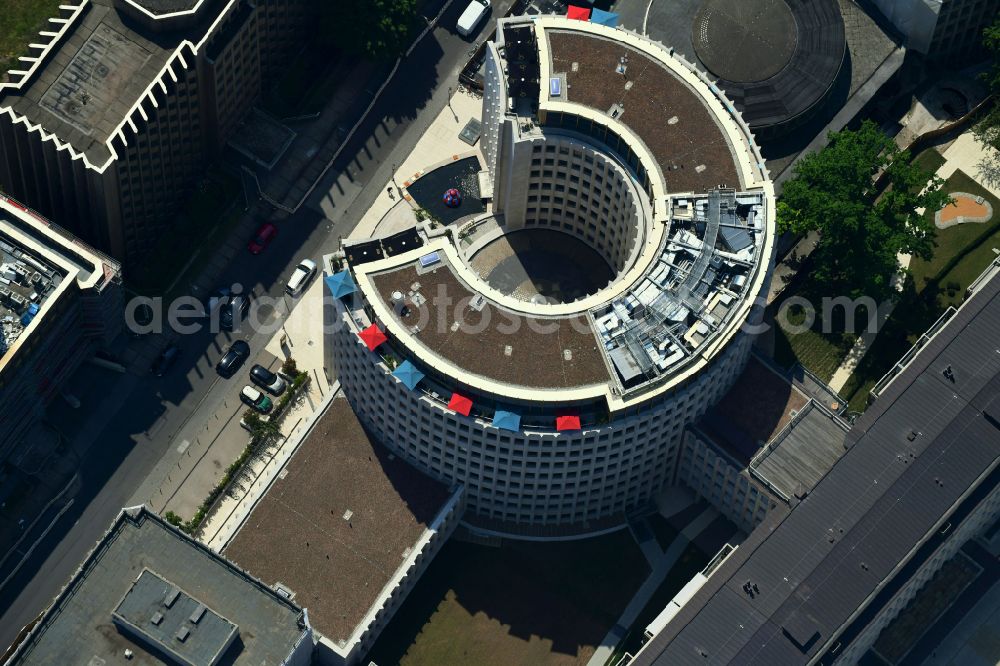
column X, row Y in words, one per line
column 654, row 96
column 915, row 453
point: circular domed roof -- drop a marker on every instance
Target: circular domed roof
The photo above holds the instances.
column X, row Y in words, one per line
column 747, row 40
column 776, row 59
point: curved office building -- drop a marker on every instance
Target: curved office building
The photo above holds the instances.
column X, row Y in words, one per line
column 549, row 353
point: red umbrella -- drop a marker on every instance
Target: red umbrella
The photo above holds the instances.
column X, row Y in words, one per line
column 568, row 422
column 372, row 337
column 459, row 403
column 578, row 13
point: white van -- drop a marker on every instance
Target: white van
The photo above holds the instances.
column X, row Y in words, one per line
column 472, row 15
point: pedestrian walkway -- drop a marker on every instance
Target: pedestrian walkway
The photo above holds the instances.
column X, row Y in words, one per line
column 233, row 509
column 967, row 154
column 223, row 439
column 652, row 583
column 646, row 539
column 860, row 348
column 437, row 145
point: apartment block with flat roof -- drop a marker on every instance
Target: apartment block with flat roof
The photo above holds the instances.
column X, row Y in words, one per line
column 60, row 301
column 108, row 122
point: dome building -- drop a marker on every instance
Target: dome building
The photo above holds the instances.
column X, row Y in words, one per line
column 549, row 353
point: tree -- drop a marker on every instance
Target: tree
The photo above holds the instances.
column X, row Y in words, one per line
column 379, row 29
column 987, row 130
column 262, row 431
column 860, row 230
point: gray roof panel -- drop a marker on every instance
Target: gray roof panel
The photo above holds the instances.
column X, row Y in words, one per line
column 916, row 452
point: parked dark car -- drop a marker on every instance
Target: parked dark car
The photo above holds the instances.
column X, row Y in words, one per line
column 217, row 298
column 165, row 360
column 267, row 380
column 234, row 358
column 234, row 311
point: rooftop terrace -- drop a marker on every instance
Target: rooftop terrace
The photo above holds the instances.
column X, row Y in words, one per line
column 673, row 121
column 491, row 341
column 78, row 627
column 338, row 522
column 802, row 453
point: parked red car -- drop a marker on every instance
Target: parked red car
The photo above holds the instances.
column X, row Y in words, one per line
column 265, row 234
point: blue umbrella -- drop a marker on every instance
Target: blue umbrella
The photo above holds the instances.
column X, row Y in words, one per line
column 507, row 420
column 604, row 18
column 341, row 284
column 408, row 374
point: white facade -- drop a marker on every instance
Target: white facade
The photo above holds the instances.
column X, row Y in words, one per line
column 533, row 477
column 723, row 482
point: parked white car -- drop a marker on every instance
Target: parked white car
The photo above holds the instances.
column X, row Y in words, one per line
column 301, row 277
column 252, row 396
column 472, row 16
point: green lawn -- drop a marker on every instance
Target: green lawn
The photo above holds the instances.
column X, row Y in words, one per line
column 930, row 159
column 204, row 221
column 522, row 603
column 22, row 19
column 961, row 254
column 956, row 240
column 818, row 351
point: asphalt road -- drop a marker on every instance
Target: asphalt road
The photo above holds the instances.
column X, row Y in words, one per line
column 118, row 458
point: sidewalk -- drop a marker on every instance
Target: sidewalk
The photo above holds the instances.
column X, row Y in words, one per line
column 438, row 144
column 966, row 154
column 223, row 441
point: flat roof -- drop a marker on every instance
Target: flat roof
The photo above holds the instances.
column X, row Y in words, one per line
column 924, row 453
column 758, row 406
column 775, row 59
column 669, row 117
column 795, row 460
column 554, row 352
column 38, row 264
column 78, row 626
column 163, row 615
column 338, row 522
column 85, row 87
column 90, row 84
